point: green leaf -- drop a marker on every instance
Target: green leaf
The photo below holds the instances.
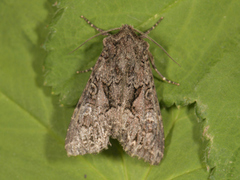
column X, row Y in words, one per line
column 202, row 138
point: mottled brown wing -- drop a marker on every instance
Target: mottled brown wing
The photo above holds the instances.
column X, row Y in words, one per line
column 89, row 129
column 142, row 129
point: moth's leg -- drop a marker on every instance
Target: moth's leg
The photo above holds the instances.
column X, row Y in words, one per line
column 153, row 27
column 155, row 68
column 92, row 25
column 84, row 71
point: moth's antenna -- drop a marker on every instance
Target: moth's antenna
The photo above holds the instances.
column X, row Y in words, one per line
column 153, row 27
column 91, row 24
column 101, row 33
column 146, row 36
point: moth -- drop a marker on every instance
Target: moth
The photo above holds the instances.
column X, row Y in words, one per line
column 120, row 100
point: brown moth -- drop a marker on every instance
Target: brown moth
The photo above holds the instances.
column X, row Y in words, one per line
column 120, row 100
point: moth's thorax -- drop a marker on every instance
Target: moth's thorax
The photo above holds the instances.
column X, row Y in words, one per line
column 125, row 44
column 125, row 49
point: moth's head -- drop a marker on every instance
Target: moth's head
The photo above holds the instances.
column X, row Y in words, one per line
column 127, row 29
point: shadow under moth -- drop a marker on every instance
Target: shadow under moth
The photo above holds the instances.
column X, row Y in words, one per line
column 120, row 100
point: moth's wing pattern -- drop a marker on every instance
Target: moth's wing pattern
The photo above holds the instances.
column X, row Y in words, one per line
column 89, row 128
column 119, row 101
column 142, row 129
